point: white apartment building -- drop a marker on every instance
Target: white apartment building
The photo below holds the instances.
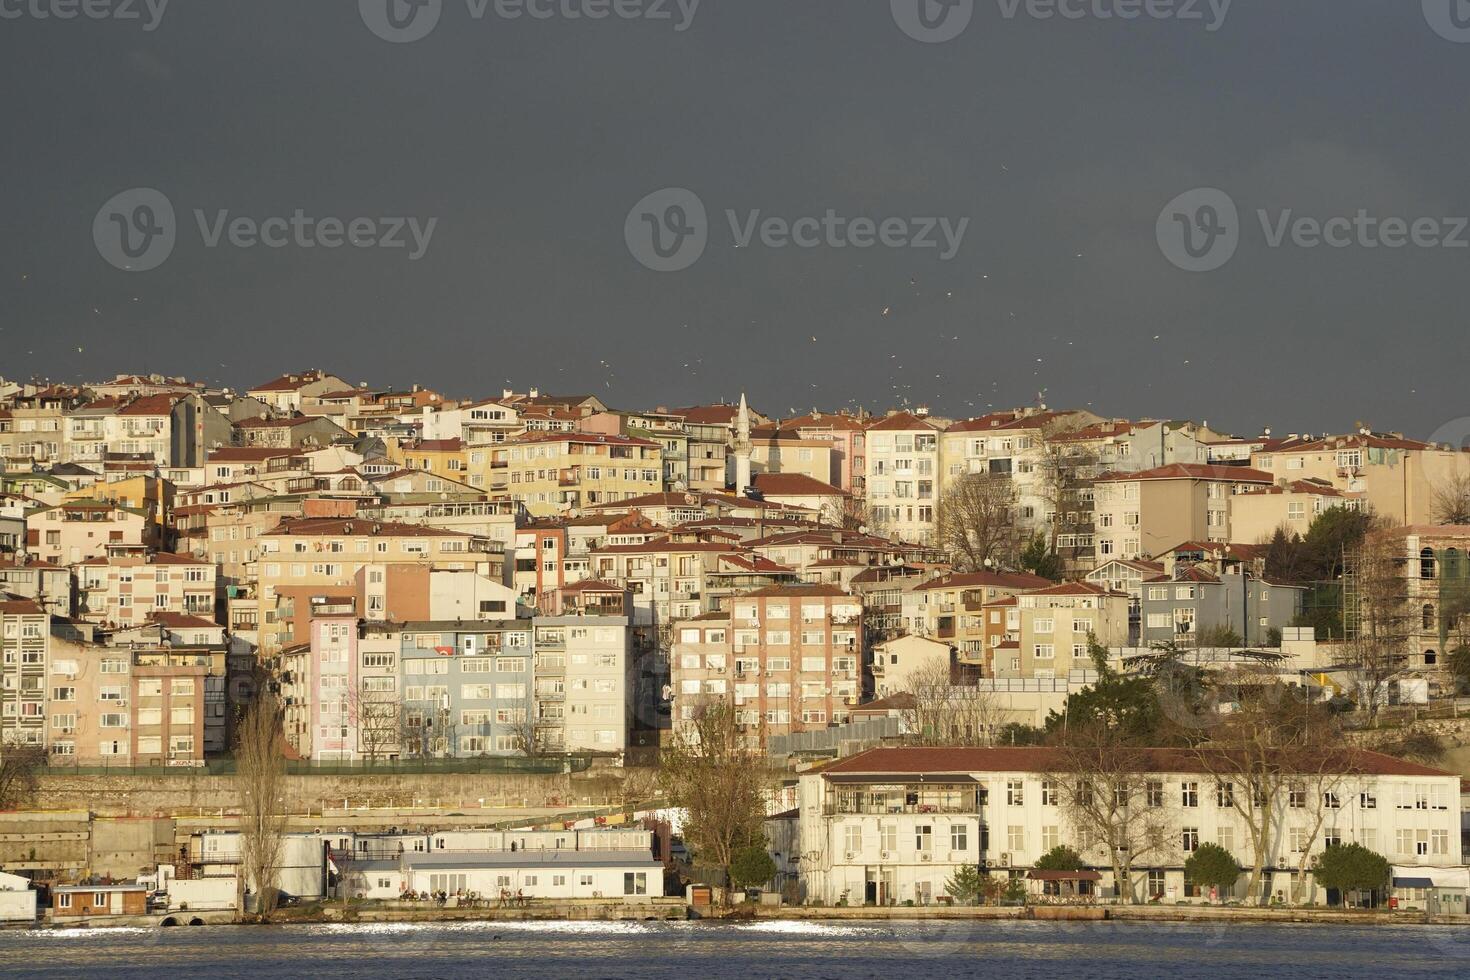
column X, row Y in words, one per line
column 903, row 475
column 895, row 824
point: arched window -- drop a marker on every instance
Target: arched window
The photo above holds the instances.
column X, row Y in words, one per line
column 1426, row 563
column 1430, row 658
column 1429, row 615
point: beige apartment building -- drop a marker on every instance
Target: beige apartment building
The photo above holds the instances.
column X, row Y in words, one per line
column 128, row 590
column 1398, row 477
column 304, row 557
column 1141, row 515
column 126, row 705
column 76, row 530
column 1054, row 626
column 1291, row 506
column 788, row 658
column 553, row 472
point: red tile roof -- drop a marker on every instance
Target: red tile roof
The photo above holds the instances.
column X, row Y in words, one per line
column 917, row 761
column 1194, row 471
column 903, row 422
column 794, row 485
column 1020, row 581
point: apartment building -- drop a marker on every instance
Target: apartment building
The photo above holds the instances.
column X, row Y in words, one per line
column 1140, row 515
column 76, row 530
column 287, row 393
column 1289, row 505
column 1055, row 624
column 903, row 475
column 128, row 590
column 846, row 435
column 893, row 825
column 1397, row 477
column 46, row 584
column 788, row 658
column 290, row 433
column 554, row 472
column 301, row 558
column 129, row 705
column 952, row 606
column 711, row 429
column 1177, row 608
column 25, row 654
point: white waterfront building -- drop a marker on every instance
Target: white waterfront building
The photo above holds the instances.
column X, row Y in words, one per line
column 893, row 825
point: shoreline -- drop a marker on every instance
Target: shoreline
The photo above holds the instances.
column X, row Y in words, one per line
column 745, row 915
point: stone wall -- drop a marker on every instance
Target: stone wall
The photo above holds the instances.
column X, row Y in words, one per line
column 166, row 795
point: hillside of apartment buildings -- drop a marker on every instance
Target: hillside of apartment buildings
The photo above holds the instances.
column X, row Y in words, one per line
column 418, row 575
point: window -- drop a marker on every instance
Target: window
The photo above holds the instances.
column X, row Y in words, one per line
column 1225, row 794
column 1051, row 837
column 1190, row 794
column 959, row 837
column 853, row 838
column 1189, row 839
column 1154, row 793
column 1015, row 794
column 923, row 837
column 1016, row 838
column 635, row 883
column 1048, row 793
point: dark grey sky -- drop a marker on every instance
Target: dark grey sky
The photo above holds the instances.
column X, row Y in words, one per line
column 530, row 140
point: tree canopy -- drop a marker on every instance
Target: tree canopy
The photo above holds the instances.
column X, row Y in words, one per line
column 1351, row 867
column 752, row 866
column 1211, row 866
column 1060, row 858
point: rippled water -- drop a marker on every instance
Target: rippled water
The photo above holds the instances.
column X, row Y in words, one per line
column 800, row 950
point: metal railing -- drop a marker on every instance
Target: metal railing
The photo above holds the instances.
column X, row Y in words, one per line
column 540, row 765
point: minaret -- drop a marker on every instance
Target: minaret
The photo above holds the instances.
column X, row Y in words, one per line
column 742, row 449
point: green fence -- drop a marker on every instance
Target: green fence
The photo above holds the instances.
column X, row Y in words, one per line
column 487, row 765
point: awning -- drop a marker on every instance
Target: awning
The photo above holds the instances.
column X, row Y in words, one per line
column 1412, row 883
column 1064, row 875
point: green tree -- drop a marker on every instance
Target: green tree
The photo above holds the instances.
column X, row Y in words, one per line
column 1127, row 706
column 1334, row 533
column 1211, row 866
column 1060, row 858
column 1351, row 868
column 966, row 885
column 1286, row 558
column 1038, row 559
column 752, row 867
column 1219, row 636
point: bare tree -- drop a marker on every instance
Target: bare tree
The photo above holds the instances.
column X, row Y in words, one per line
column 1450, row 503
column 977, row 521
column 1381, row 623
column 720, row 781
column 20, row 769
column 1104, row 788
column 946, row 713
column 851, row 513
column 375, row 715
column 260, row 779
column 1266, row 757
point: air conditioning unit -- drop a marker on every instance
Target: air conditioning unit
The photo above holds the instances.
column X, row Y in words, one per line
column 1005, row 861
column 926, row 856
column 850, row 855
column 884, row 855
